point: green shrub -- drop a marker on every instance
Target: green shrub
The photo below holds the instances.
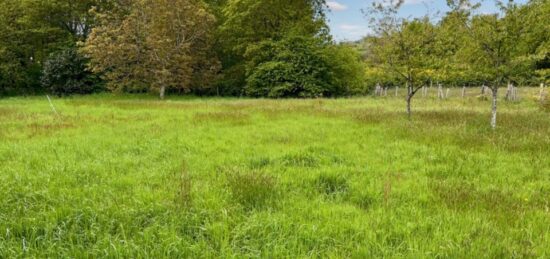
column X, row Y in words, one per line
column 65, row 73
column 304, row 67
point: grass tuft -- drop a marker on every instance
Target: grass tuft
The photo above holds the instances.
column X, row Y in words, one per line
column 252, row 190
column 332, row 184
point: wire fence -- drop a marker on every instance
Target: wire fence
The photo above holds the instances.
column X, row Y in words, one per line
column 480, row 92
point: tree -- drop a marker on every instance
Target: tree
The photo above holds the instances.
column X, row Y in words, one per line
column 32, row 29
column 246, row 23
column 402, row 46
column 536, row 41
column 156, row 45
column 492, row 48
column 65, row 73
column 301, row 66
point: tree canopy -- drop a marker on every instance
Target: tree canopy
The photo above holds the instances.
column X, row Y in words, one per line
column 264, row 48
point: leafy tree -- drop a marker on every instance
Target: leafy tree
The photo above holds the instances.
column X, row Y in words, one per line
column 535, row 42
column 32, row 29
column 401, row 46
column 300, row 66
column 492, row 49
column 246, row 23
column 346, row 69
column 65, row 73
column 292, row 67
column 156, row 44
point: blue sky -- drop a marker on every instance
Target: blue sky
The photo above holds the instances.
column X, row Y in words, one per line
column 347, row 22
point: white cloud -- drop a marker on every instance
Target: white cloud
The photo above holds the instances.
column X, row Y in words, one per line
column 351, row 31
column 412, row 2
column 336, row 6
column 406, row 2
column 350, row 27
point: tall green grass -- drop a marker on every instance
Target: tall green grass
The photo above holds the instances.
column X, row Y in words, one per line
column 130, row 176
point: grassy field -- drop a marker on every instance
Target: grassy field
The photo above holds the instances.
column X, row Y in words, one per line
column 131, row 176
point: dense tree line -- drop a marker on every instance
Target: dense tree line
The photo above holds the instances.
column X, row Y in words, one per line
column 263, row 48
column 33, row 31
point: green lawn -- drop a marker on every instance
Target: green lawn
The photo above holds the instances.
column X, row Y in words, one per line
column 131, row 176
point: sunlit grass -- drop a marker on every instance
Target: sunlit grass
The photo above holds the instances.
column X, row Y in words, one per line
column 131, row 176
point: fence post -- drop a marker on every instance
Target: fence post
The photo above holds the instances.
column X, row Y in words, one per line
column 509, row 92
column 541, row 97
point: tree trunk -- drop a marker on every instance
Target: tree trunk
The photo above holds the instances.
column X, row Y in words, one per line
column 162, row 92
column 410, row 94
column 508, row 96
column 494, row 108
column 409, row 111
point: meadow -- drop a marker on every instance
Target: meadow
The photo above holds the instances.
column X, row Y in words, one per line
column 131, row 176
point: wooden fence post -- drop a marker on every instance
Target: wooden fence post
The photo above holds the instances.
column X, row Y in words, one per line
column 541, row 95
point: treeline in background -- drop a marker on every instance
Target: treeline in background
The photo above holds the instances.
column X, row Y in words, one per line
column 262, row 48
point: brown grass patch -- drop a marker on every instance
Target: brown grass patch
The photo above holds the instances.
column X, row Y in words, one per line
column 6, row 112
column 233, row 118
column 38, row 129
column 461, row 195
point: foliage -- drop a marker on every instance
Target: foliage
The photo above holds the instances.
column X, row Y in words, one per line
column 30, row 30
column 65, row 72
column 157, row 44
column 346, row 69
column 276, row 69
column 299, row 66
column 248, row 23
column 403, row 47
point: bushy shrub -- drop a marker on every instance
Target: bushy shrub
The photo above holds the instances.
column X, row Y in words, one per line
column 346, row 70
column 65, row 73
column 304, row 67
